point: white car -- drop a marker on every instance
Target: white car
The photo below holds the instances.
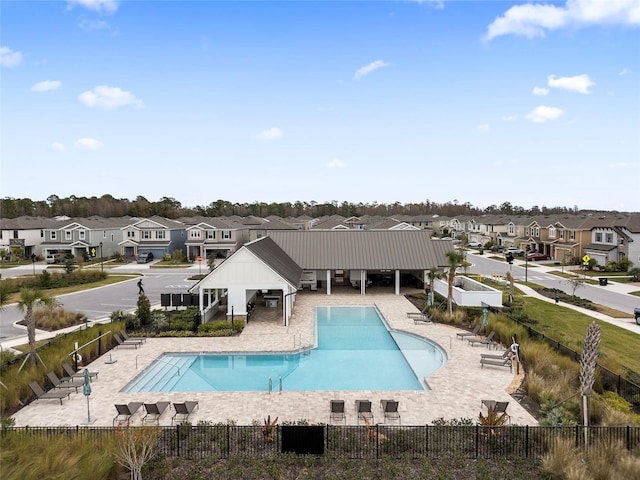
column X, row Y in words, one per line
column 474, row 244
column 514, row 251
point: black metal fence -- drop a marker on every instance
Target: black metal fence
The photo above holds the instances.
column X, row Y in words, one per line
column 361, row 442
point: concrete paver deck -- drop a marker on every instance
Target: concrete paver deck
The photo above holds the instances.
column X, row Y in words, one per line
column 456, row 389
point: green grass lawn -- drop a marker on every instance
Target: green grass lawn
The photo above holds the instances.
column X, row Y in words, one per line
column 618, row 347
column 54, row 292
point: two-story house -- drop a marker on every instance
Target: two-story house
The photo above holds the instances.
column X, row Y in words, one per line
column 79, row 237
column 155, row 235
column 23, row 236
column 215, row 237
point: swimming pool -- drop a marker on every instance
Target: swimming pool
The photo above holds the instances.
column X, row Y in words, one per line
column 355, row 351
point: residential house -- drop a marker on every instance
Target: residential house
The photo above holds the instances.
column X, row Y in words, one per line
column 215, row 237
column 156, row 235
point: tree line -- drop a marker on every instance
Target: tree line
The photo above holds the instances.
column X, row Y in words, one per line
column 168, row 207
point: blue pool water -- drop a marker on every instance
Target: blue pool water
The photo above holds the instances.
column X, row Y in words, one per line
column 355, row 351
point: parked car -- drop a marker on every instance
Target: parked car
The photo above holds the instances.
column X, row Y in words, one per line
column 144, row 257
column 497, row 248
column 636, row 313
column 534, row 256
column 514, row 251
column 474, row 244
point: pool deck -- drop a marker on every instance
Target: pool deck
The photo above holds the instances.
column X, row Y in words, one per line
column 456, row 389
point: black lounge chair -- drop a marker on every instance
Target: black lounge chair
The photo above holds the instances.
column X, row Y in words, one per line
column 337, row 411
column 154, row 411
column 71, row 374
column 390, row 410
column 51, row 394
column 57, row 383
column 488, row 340
column 474, row 333
column 125, row 412
column 363, row 408
column 183, row 410
column 125, row 337
column 126, row 343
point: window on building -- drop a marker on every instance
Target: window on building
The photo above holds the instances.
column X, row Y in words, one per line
column 160, row 234
column 146, row 234
column 226, row 234
column 552, row 232
column 67, row 234
column 81, row 234
column 195, row 234
column 536, row 232
column 41, row 234
column 104, row 234
column 572, row 234
column 511, row 230
column 599, row 237
column 52, row 235
column 561, row 233
column 15, row 234
column 621, row 241
column 211, row 234
column 526, row 231
column 609, row 238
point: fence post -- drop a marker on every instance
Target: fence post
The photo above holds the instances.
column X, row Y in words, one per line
column 426, row 440
column 526, row 441
column 178, row 439
column 377, row 442
column 99, row 342
column 628, row 438
column 477, row 440
column 228, row 440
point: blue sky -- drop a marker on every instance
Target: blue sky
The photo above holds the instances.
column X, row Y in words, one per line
column 473, row 101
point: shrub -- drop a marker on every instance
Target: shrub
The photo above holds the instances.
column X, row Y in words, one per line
column 159, row 321
column 143, row 312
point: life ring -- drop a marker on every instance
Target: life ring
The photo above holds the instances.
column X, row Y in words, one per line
column 77, row 358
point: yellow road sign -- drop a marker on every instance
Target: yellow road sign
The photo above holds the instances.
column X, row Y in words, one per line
column 585, row 260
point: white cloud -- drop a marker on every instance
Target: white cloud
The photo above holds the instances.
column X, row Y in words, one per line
column 509, row 118
column 272, row 133
column 58, row 147
column 9, row 58
column 578, row 83
column 46, row 86
column 367, row 69
column 624, row 71
column 483, row 127
column 543, row 114
column 540, row 91
column 335, row 163
column 91, row 25
column 89, row 144
column 534, row 20
column 106, row 6
column 109, row 97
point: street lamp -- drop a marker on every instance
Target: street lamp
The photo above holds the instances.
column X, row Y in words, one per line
column 101, row 259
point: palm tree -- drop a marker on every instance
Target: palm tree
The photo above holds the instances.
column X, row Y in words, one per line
column 30, row 299
column 433, row 275
column 455, row 259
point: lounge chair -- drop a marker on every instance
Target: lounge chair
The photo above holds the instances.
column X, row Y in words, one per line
column 57, row 383
column 337, row 411
column 125, row 337
column 390, row 410
column 71, row 374
column 488, row 340
column 183, row 410
column 126, row 343
column 51, row 394
column 125, row 412
column 501, row 407
column 474, row 333
column 363, row 408
column 503, row 360
column 154, row 411
column 421, row 318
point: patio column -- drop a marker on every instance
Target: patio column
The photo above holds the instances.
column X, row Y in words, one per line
column 328, row 282
column 397, row 282
column 363, row 282
column 201, row 302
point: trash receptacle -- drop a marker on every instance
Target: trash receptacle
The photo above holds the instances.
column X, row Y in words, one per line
column 604, row 282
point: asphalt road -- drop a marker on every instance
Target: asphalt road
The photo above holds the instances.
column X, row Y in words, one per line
column 534, row 274
column 102, row 301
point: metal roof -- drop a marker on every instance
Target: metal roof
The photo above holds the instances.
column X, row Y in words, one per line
column 363, row 249
column 270, row 253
